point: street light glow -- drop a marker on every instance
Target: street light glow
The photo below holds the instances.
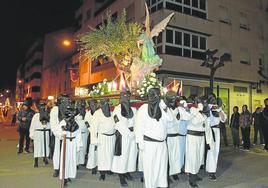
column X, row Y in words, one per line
column 20, row 81
column 66, row 42
column 7, row 91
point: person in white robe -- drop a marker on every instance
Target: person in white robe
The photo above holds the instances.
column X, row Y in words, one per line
column 40, row 132
column 124, row 160
column 151, row 134
column 183, row 122
column 198, row 129
column 217, row 115
column 92, row 150
column 103, row 134
column 173, row 136
column 80, row 120
column 56, row 115
column 71, row 131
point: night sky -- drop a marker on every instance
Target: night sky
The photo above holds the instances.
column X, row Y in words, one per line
column 24, row 20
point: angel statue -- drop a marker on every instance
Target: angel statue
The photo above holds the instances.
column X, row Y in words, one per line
column 149, row 59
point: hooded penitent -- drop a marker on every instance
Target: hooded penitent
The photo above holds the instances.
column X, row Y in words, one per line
column 44, row 113
column 81, row 107
column 69, row 115
column 170, row 99
column 206, row 109
column 105, row 107
column 93, row 105
column 62, row 104
column 126, row 110
column 154, row 110
column 212, row 100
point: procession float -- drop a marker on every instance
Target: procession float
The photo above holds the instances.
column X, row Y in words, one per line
column 131, row 48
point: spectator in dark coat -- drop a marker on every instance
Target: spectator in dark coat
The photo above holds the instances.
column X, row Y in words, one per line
column 257, row 127
column 25, row 117
column 245, row 121
column 264, row 124
column 234, row 124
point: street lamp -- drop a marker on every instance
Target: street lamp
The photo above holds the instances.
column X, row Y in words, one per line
column 213, row 63
column 66, row 42
column 7, row 91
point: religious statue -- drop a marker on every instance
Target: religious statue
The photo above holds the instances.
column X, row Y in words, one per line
column 149, row 60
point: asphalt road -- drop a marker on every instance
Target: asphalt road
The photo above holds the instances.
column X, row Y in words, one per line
column 237, row 169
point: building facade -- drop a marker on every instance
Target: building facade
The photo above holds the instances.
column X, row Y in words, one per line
column 33, row 70
column 59, row 47
column 237, row 27
column 19, row 96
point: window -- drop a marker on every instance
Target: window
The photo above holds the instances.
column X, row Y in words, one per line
column 183, row 43
column 175, row 7
column 195, row 8
column 186, row 2
column 178, row 39
column 171, row 50
column 244, row 21
column 186, row 39
column 195, row 3
column 244, row 56
column 169, row 36
column 36, row 75
column 36, row 89
column 224, row 15
column 263, row 65
column 202, row 4
column 154, row 5
column 194, row 41
column 203, row 44
column 37, row 62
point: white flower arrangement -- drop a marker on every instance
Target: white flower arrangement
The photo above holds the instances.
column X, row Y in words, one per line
column 150, row 81
column 100, row 89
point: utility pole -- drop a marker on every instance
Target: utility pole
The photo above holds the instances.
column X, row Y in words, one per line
column 214, row 63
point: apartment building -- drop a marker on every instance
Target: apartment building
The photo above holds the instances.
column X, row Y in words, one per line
column 237, row 27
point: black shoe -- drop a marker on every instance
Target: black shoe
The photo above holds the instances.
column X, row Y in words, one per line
column 46, row 161
column 176, row 177
column 141, row 179
column 27, row 151
column 193, row 184
column 128, row 177
column 35, row 162
column 202, row 167
column 69, row 180
column 212, row 177
column 65, row 181
column 20, row 151
column 94, row 170
column 198, row 178
column 110, row 173
column 123, row 181
column 102, row 177
column 56, row 173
